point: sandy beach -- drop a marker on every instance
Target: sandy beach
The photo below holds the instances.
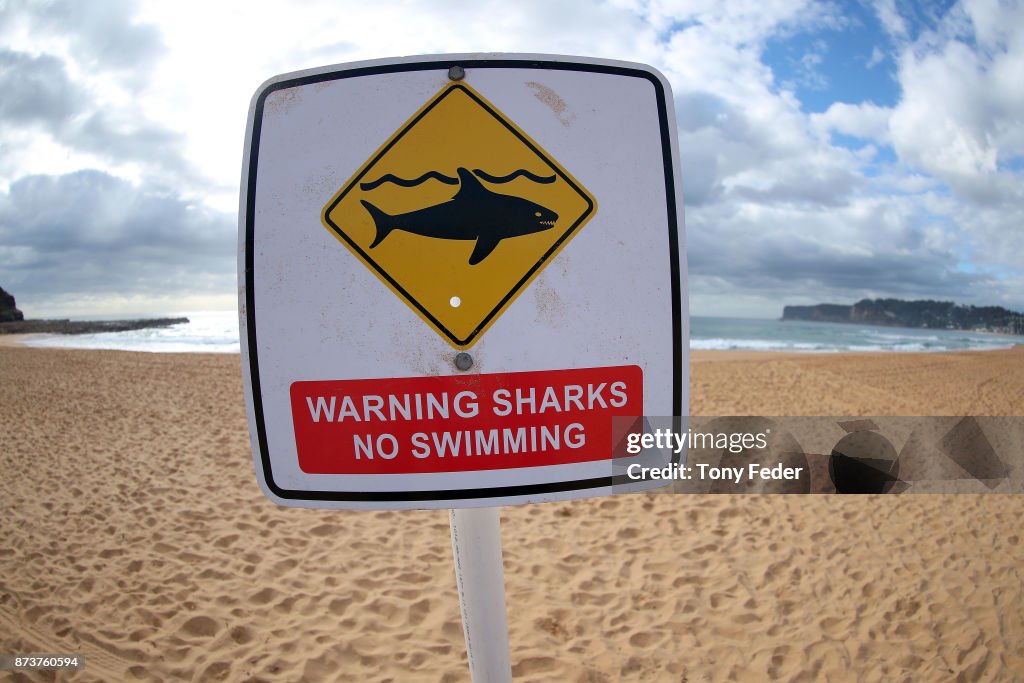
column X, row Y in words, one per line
column 133, row 532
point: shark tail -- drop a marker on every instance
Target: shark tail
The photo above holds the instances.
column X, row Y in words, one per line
column 383, row 222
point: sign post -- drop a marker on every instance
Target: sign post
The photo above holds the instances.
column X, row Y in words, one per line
column 479, row 574
column 455, row 272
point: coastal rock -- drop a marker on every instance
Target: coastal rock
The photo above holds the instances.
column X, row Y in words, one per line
column 8, row 310
column 85, row 326
column 822, row 313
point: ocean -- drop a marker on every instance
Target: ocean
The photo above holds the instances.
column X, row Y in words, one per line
column 217, row 332
column 205, row 332
column 749, row 334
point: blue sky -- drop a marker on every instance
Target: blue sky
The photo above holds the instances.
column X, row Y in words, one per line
column 851, row 63
column 830, row 150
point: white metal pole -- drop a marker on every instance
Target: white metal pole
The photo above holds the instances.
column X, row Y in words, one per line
column 476, row 545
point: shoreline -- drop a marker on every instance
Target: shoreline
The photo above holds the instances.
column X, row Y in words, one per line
column 858, row 383
column 18, row 340
column 713, row 355
column 700, row 355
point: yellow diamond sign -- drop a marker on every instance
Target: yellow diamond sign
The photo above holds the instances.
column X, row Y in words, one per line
column 457, row 212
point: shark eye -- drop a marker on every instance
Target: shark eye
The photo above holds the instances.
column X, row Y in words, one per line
column 537, row 214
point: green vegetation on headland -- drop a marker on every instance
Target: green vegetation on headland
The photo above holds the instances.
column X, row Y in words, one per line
column 944, row 315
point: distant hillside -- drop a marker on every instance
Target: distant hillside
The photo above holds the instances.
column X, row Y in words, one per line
column 944, row 315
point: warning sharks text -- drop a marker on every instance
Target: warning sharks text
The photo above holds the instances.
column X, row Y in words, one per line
column 464, row 422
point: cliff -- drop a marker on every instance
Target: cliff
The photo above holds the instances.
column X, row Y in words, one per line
column 8, row 310
column 924, row 313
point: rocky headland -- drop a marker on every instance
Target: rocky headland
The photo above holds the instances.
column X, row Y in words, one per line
column 898, row 313
column 12, row 321
column 8, row 309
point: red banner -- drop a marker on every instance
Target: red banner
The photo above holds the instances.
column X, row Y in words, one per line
column 461, row 422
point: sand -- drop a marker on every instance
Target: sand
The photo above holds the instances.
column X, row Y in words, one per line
column 133, row 532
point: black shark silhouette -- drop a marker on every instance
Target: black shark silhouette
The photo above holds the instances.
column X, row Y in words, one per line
column 474, row 213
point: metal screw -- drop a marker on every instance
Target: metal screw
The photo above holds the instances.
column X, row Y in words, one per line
column 463, row 361
column 456, row 73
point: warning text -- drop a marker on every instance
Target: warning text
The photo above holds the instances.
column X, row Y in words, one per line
column 463, row 422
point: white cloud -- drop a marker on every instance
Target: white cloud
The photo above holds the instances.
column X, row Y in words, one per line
column 214, row 65
column 876, row 58
column 863, row 120
column 890, row 18
column 959, row 115
column 88, row 234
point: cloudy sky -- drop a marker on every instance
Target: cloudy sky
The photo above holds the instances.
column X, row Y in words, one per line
column 830, row 150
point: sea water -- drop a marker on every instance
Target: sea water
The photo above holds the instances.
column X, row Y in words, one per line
column 217, row 332
column 205, row 332
column 776, row 335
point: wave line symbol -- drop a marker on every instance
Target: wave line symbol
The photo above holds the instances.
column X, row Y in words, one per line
column 543, row 180
column 392, row 178
column 449, row 180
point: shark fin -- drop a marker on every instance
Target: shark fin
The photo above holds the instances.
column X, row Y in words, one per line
column 484, row 246
column 381, row 221
column 468, row 183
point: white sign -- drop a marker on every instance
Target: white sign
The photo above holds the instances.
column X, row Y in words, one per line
column 459, row 276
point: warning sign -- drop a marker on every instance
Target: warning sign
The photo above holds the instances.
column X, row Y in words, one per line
column 462, row 423
column 457, row 275
column 458, row 211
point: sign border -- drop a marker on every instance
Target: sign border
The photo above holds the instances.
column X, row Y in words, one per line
column 248, row 307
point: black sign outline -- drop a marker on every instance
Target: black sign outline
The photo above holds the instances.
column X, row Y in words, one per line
column 251, row 308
